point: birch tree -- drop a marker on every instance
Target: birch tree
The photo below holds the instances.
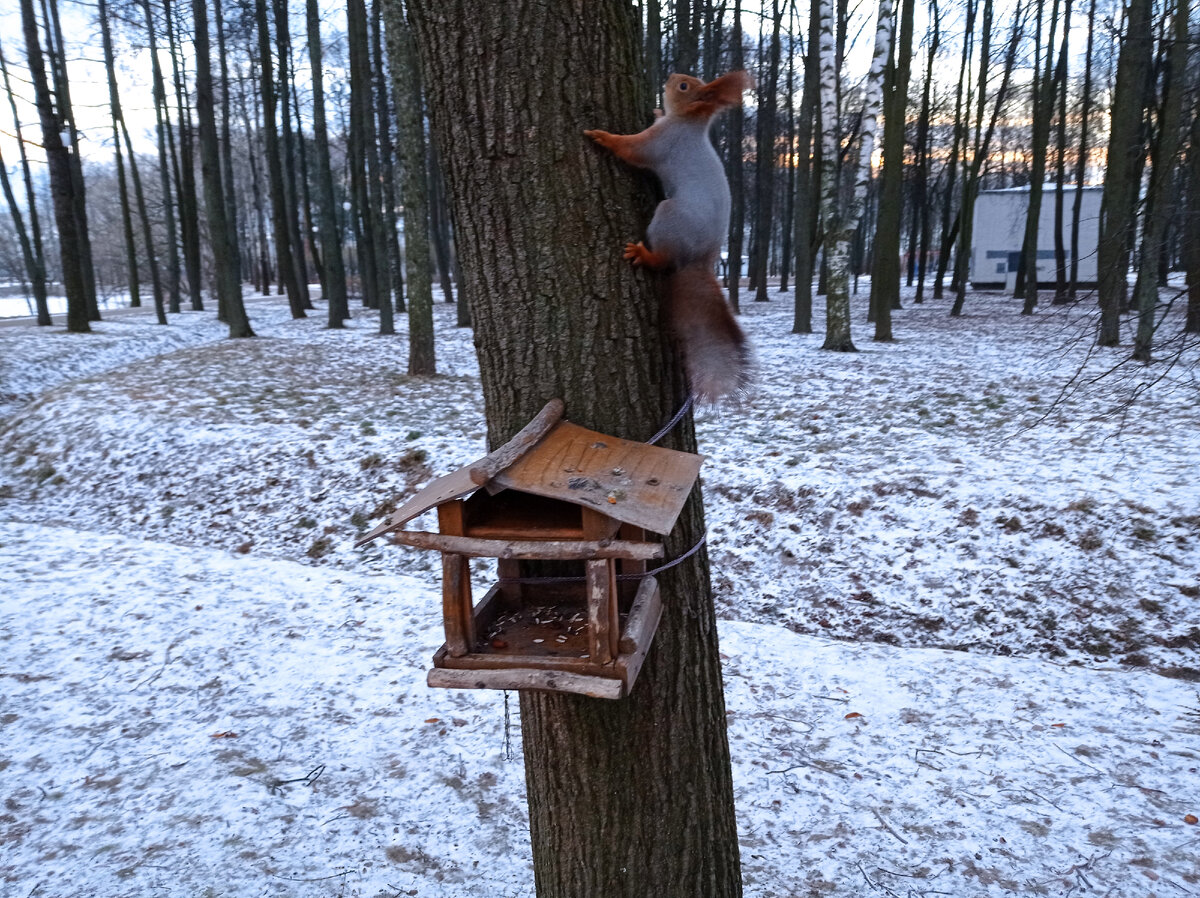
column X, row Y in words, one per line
column 843, row 213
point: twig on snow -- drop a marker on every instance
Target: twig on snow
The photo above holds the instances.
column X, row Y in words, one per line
column 884, row 824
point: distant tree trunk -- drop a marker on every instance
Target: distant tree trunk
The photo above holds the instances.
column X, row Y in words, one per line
column 687, row 36
column 1081, row 162
column 1061, row 270
column 626, row 798
column 842, row 217
column 121, row 134
column 735, row 167
column 1042, row 102
column 58, row 163
column 982, row 144
column 1118, row 207
column 286, row 143
column 804, row 228
column 260, row 216
column 308, row 222
column 885, row 270
column 31, row 241
column 921, row 191
column 161, row 128
column 331, row 250
column 652, row 47
column 406, row 85
column 65, row 109
column 764, row 159
column 439, row 220
column 285, row 263
column 231, row 216
column 951, row 223
column 114, row 105
column 189, row 207
column 383, row 110
column 1191, row 256
column 221, row 239
column 1163, row 164
column 788, row 214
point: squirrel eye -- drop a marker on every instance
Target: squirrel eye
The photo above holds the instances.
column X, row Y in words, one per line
column 683, row 86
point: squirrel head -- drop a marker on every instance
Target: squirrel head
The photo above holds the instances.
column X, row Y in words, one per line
column 690, row 97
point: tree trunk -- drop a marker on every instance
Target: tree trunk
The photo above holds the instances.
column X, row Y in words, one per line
column 284, row 262
column 735, row 168
column 1042, row 102
column 952, row 223
column 632, row 797
column 189, row 207
column 406, row 85
column 56, row 56
column 291, row 194
column 58, row 163
column 121, row 134
column 842, row 217
column 114, row 105
column 983, row 143
column 227, row 274
column 885, row 270
column 439, row 222
column 383, row 109
column 1191, row 255
column 1118, row 208
column 227, row 182
column 1158, row 205
column 1081, row 161
column 331, row 249
column 162, row 133
column 804, row 228
column 31, row 246
column 1061, row 293
column 921, row 198
column 764, row 160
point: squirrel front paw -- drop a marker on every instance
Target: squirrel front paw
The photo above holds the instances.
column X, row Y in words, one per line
column 638, row 254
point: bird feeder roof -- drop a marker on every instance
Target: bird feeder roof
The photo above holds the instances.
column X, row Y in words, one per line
column 634, row 483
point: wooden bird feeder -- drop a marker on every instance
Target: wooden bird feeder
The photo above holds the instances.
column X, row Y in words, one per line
column 556, row 492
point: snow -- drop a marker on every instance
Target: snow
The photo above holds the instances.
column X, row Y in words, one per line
column 957, row 577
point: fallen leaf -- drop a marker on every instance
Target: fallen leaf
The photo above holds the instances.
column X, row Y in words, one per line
column 433, row 720
column 1058, row 724
column 228, row 734
column 1191, row 819
column 852, row 715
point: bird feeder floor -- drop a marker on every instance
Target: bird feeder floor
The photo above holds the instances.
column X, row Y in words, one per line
column 533, row 642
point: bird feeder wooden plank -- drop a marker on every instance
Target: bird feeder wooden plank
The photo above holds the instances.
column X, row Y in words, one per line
column 494, row 462
column 546, row 550
column 549, row 680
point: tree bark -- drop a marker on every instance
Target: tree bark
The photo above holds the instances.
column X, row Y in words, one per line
column 804, row 228
column 842, row 215
column 735, row 168
column 1191, row 255
column 632, row 797
column 31, row 241
column 58, row 163
column 885, row 268
column 227, row 274
column 921, row 198
column 406, row 85
column 335, row 270
column 1158, row 206
column 189, row 206
column 286, row 141
column 383, row 109
column 285, row 264
column 1118, row 208
column 764, row 160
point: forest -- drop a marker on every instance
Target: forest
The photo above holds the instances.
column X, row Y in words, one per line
column 278, row 145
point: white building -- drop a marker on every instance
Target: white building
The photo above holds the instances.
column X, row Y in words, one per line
column 999, row 231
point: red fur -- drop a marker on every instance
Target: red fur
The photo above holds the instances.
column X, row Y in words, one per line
column 718, row 94
column 716, row 355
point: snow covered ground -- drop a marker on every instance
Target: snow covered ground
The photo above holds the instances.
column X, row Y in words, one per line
column 205, row 690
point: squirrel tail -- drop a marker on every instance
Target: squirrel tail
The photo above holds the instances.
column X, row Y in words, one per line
column 716, row 353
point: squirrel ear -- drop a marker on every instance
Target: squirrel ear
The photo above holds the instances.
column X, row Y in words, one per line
column 727, row 89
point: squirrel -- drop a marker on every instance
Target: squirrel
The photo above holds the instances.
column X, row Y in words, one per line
column 689, row 226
